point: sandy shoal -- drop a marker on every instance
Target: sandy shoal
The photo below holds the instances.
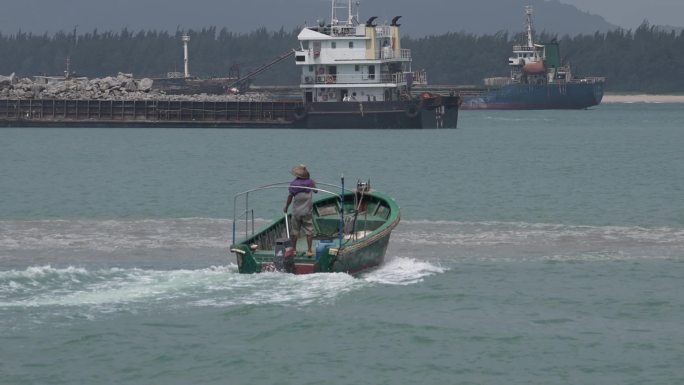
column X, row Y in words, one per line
column 643, row 98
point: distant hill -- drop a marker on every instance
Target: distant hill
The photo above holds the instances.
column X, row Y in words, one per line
column 420, row 18
column 490, row 16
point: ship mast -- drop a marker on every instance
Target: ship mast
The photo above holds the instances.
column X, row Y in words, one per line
column 350, row 12
column 528, row 13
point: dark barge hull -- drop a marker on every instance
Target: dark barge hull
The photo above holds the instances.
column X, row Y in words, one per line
column 255, row 114
column 430, row 113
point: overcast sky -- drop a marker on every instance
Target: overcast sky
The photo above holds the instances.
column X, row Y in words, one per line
column 39, row 16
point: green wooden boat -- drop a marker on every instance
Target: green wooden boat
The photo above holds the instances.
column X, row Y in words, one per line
column 351, row 233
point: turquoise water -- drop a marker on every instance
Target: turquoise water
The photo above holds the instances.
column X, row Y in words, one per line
column 541, row 247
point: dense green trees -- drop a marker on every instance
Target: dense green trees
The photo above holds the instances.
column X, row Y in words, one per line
column 647, row 59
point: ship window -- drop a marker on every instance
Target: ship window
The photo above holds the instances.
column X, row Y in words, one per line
column 356, row 68
column 371, row 72
column 351, row 44
column 333, row 45
column 311, row 68
column 305, row 44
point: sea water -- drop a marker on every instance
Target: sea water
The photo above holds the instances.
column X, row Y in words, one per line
column 535, row 247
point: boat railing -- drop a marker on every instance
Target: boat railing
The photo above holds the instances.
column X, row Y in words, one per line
column 248, row 214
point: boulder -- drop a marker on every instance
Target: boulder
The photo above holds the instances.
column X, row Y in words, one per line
column 145, row 84
column 8, row 80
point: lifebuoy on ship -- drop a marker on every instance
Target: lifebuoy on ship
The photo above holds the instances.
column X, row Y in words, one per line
column 332, row 94
column 412, row 111
column 300, row 112
column 321, row 71
column 324, row 97
column 329, row 79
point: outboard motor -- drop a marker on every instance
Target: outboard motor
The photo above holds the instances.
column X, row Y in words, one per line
column 283, row 259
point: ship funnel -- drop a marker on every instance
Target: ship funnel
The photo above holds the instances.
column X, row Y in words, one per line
column 370, row 21
column 394, row 21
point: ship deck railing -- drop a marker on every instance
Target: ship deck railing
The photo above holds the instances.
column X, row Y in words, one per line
column 389, row 53
column 416, row 77
column 590, row 80
column 587, row 80
column 523, row 48
column 383, row 53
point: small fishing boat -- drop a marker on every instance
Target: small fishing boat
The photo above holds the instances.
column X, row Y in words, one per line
column 351, row 232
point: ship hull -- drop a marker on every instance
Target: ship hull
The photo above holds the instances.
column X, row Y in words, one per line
column 427, row 114
column 537, row 97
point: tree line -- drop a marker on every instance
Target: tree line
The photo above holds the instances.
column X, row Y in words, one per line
column 647, row 59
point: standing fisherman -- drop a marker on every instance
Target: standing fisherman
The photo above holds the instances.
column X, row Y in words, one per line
column 301, row 193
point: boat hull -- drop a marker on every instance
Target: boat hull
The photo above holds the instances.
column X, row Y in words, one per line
column 537, row 97
column 363, row 246
column 353, row 262
column 363, row 257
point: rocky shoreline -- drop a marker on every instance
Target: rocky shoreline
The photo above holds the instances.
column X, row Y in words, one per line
column 120, row 87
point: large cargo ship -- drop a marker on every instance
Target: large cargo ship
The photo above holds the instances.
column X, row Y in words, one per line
column 538, row 80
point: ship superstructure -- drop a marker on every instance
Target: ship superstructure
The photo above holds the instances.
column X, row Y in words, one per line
column 347, row 60
column 533, row 63
column 348, row 66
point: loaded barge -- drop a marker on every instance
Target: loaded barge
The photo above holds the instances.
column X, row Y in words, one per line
column 147, row 113
column 354, row 75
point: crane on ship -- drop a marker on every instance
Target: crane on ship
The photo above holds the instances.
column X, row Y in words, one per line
column 242, row 82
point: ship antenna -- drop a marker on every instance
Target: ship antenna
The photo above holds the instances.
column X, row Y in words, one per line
column 528, row 14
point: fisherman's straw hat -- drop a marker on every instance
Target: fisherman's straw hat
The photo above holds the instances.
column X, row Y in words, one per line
column 300, row 171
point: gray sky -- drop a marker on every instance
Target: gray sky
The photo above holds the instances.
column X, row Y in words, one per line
column 630, row 13
column 420, row 16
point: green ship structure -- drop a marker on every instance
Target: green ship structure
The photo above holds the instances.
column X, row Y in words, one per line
column 351, row 233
